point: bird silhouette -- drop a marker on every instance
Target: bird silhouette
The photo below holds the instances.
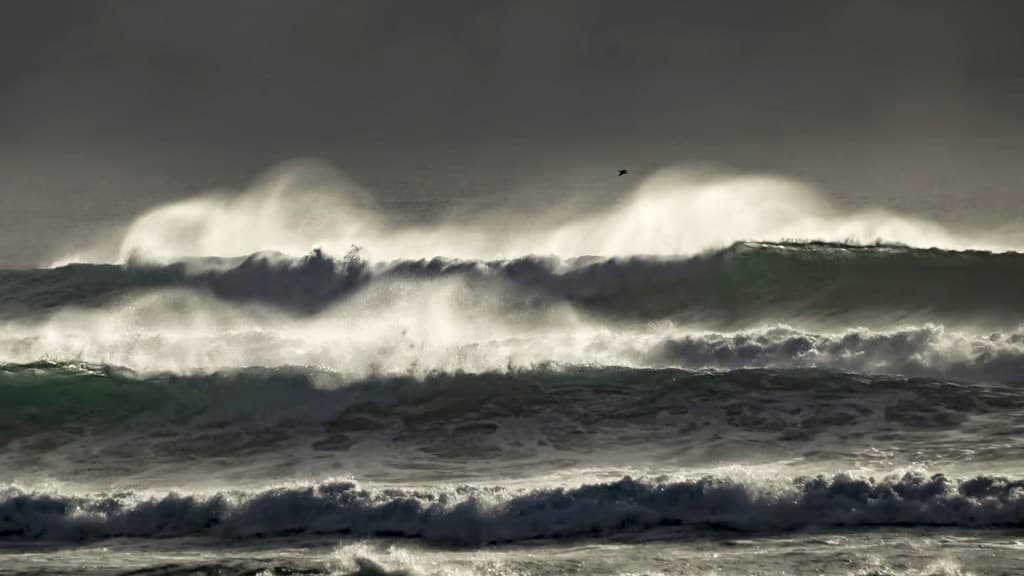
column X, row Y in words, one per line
column 623, row 172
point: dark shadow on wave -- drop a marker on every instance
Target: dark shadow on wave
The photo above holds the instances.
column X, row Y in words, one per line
column 481, row 516
column 745, row 284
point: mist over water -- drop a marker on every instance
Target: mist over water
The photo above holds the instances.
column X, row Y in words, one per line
column 675, row 211
column 424, row 327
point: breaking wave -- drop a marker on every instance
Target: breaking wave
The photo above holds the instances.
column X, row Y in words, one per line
column 474, row 516
column 415, row 332
column 475, row 371
column 300, row 206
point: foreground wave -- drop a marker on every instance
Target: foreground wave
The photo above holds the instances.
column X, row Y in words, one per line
column 475, row 516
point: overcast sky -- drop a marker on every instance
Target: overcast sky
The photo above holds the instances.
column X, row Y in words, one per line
column 109, row 107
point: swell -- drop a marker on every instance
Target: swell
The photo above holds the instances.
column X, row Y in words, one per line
column 471, row 516
column 470, row 422
column 743, row 285
column 87, row 395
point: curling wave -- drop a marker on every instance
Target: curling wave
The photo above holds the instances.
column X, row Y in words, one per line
column 474, row 516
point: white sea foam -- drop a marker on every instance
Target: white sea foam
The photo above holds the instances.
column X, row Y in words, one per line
column 475, row 516
column 418, row 327
column 674, row 211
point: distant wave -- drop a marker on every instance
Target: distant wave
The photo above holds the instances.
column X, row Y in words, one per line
column 746, row 284
column 673, row 212
column 475, row 516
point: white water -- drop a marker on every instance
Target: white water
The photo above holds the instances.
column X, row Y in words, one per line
column 675, row 211
column 449, row 325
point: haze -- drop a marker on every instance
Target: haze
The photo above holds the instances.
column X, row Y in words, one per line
column 108, row 109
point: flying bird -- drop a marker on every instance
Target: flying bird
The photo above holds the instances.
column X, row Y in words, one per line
column 623, row 172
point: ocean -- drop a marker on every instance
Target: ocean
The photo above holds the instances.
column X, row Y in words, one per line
column 668, row 387
column 842, row 409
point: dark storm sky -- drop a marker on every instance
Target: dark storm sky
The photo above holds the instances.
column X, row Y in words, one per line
column 109, row 107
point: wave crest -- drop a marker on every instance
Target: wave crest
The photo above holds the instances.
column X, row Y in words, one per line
column 675, row 211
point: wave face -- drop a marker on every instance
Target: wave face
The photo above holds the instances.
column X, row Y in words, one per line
column 744, row 285
column 97, row 424
column 475, row 516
